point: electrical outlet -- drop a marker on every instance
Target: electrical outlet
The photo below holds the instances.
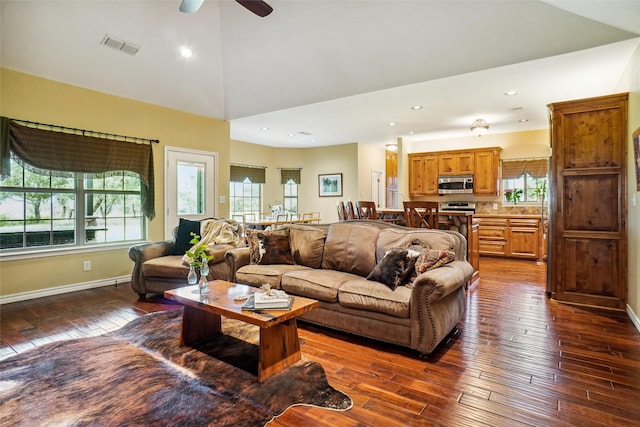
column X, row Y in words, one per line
column 86, row 265
column 495, row 206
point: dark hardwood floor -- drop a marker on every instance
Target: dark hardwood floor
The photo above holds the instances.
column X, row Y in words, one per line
column 517, row 358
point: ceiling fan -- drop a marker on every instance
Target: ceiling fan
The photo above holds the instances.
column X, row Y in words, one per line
column 259, row 7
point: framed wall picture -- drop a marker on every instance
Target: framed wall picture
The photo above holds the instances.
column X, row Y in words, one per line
column 636, row 156
column 330, row 185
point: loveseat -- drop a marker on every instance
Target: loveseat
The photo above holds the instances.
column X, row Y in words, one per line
column 160, row 266
column 331, row 263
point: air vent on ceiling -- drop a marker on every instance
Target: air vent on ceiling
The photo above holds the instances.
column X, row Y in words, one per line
column 516, row 109
column 120, row 45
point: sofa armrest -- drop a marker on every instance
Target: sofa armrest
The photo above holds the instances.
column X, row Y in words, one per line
column 236, row 258
column 438, row 302
column 141, row 253
column 443, row 280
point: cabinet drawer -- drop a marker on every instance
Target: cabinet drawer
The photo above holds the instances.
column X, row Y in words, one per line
column 488, row 232
column 492, row 247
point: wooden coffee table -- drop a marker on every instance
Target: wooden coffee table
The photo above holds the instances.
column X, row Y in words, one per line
column 279, row 344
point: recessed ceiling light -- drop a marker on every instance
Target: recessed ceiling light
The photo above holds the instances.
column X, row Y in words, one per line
column 392, row 123
column 511, row 93
column 186, row 52
column 417, row 107
column 265, row 128
column 523, row 120
column 292, row 134
column 313, row 140
column 412, row 133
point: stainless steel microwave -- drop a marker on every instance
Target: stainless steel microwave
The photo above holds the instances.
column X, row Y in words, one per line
column 455, row 184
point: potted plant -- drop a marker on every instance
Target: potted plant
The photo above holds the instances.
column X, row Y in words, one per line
column 198, row 259
column 513, row 195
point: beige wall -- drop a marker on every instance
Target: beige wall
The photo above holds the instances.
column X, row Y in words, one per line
column 631, row 83
column 31, row 98
column 313, row 161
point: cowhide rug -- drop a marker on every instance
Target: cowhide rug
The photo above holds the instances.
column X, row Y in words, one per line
column 140, row 376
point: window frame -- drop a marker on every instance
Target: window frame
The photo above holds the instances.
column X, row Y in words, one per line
column 79, row 221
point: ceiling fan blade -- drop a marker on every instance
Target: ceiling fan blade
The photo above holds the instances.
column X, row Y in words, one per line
column 259, row 7
column 190, row 6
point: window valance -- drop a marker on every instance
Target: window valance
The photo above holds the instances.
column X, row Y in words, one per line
column 287, row 174
column 68, row 152
column 513, row 169
column 256, row 174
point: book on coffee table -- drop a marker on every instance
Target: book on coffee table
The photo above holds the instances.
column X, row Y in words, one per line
column 262, row 301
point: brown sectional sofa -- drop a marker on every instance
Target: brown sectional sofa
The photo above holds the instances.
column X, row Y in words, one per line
column 332, row 263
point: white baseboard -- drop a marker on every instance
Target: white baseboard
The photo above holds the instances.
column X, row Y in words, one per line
column 633, row 317
column 23, row 296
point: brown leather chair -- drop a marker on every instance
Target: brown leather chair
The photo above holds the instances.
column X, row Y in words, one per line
column 421, row 214
column 367, row 210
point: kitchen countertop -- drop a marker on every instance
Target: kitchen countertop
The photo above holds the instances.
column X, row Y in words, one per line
column 507, row 216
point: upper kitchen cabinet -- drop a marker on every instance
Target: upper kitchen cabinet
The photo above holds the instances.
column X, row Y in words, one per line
column 423, row 174
column 455, row 164
column 482, row 163
column 485, row 181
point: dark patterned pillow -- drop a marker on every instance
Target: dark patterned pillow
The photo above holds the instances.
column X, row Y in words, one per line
column 183, row 236
column 270, row 247
column 431, row 258
column 393, row 268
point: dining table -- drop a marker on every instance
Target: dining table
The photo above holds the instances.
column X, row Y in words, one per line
column 264, row 223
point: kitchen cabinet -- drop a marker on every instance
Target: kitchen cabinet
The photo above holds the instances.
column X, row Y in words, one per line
column 492, row 236
column 452, row 164
column 482, row 163
column 423, row 174
column 509, row 237
column 485, row 181
column 588, row 203
column 524, row 238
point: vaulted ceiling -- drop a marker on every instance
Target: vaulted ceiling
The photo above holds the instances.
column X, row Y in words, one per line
column 322, row 72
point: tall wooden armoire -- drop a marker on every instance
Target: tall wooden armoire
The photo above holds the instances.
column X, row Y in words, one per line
column 588, row 211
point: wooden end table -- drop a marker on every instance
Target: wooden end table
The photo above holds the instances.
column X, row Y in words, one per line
column 279, row 345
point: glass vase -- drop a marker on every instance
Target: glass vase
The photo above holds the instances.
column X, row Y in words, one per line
column 192, row 277
column 203, row 284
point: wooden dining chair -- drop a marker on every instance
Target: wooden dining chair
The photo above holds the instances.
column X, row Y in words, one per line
column 367, row 209
column 350, row 212
column 281, row 219
column 420, row 214
column 315, row 217
column 342, row 213
column 307, row 217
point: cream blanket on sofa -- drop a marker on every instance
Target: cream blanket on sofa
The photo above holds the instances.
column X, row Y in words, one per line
column 217, row 232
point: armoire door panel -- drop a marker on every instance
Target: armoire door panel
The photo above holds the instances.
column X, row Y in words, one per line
column 589, row 264
column 591, row 202
column 592, row 139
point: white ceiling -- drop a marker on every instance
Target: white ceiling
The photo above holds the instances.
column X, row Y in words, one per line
column 322, row 72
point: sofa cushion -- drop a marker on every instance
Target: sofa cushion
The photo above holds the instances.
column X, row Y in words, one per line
column 183, row 236
column 258, row 275
column 317, row 284
column 393, row 269
column 373, row 296
column 307, row 244
column 166, row 266
column 270, row 247
column 404, row 238
column 351, row 248
column 430, row 259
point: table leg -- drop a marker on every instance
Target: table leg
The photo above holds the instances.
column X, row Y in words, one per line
column 199, row 324
column 279, row 348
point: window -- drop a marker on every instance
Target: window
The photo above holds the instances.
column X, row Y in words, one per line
column 41, row 210
column 291, row 196
column 245, row 189
column 290, row 179
column 244, row 198
column 524, row 180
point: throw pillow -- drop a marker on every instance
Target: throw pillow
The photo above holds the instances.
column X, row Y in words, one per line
column 183, row 237
column 270, row 247
column 393, row 268
column 431, row 258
